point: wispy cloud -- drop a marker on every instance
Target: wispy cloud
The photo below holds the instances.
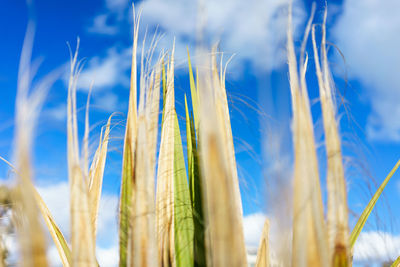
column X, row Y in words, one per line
column 253, row 225
column 100, row 26
column 253, row 30
column 108, row 21
column 376, row 247
column 108, row 71
column 368, row 35
column 117, row 5
column 108, row 102
column 58, row 112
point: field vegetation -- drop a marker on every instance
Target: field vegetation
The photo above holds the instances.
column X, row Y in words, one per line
column 172, row 211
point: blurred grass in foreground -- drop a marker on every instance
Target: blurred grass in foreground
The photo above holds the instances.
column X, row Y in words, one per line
column 194, row 217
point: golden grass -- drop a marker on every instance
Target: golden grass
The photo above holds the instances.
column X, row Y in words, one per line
column 225, row 244
column 31, row 239
column 82, row 238
column 263, row 254
column 165, row 175
column 128, row 158
column 308, row 217
column 57, row 236
column 337, row 217
column 194, row 218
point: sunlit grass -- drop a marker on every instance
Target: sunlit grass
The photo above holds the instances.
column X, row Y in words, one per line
column 177, row 214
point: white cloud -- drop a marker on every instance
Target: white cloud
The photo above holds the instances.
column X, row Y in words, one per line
column 376, row 247
column 117, row 5
column 53, row 256
column 106, row 72
column 101, row 26
column 253, row 225
column 107, row 102
column 56, row 197
column 58, row 113
column 108, row 257
column 254, row 30
column 368, row 34
column 107, row 22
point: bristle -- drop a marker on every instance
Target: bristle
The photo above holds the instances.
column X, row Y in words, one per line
column 82, row 239
column 309, row 246
column 144, row 242
column 337, row 218
column 222, row 108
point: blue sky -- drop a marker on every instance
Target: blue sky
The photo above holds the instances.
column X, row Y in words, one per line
column 366, row 33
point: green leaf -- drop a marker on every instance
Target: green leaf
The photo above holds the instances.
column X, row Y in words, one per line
column 125, row 204
column 194, row 93
column 367, row 211
column 195, row 186
column 189, row 149
column 164, row 89
column 182, row 206
column 396, row 263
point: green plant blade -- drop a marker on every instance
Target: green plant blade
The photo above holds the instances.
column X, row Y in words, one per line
column 189, row 150
column 367, row 211
column 396, row 263
column 195, row 187
column 125, row 204
column 164, row 90
column 182, row 206
column 194, row 94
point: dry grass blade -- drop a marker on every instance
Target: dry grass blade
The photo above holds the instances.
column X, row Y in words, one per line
column 263, row 248
column 225, row 246
column 165, row 176
column 337, row 218
column 82, row 239
column 144, row 251
column 152, row 114
column 128, row 165
column 31, row 238
column 144, row 246
column 58, row 238
column 309, row 246
column 222, row 109
column 96, row 174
